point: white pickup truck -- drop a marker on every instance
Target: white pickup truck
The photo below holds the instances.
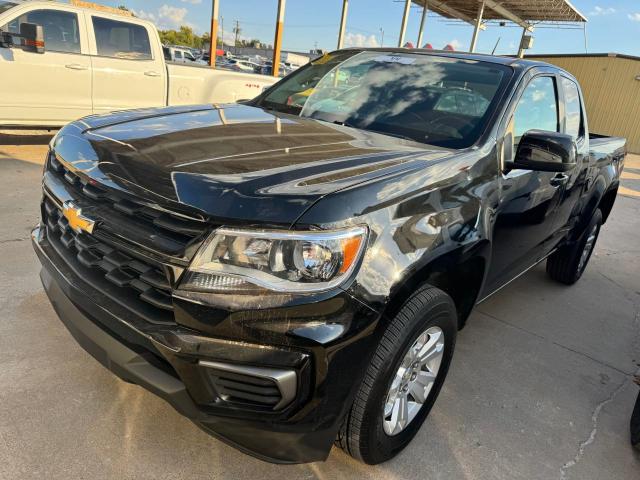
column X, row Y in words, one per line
column 96, row 61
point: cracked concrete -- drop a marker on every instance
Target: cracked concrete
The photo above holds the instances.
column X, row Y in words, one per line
column 540, row 386
column 594, row 431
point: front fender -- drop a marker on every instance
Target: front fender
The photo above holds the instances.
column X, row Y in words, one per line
column 428, row 218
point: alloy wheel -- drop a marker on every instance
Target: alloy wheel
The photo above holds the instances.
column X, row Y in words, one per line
column 413, row 381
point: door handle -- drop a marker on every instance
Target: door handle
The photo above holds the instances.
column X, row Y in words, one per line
column 76, row 66
column 151, row 73
column 559, row 179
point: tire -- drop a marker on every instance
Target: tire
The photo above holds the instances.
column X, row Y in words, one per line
column 635, row 425
column 568, row 264
column 362, row 434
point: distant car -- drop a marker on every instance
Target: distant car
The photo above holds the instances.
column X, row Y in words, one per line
column 267, row 69
column 242, row 65
column 181, row 55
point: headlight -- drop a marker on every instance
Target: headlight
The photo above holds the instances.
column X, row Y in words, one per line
column 238, row 261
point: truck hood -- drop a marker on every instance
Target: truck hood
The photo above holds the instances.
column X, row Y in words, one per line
column 231, row 163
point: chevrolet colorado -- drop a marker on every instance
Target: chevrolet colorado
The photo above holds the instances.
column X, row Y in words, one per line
column 292, row 271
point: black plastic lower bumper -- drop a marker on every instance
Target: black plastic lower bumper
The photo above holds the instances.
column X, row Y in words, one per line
column 165, row 361
column 114, row 355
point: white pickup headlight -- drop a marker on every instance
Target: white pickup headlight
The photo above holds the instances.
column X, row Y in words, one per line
column 284, row 261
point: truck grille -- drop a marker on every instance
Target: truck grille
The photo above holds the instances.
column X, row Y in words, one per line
column 136, row 282
column 164, row 232
column 131, row 253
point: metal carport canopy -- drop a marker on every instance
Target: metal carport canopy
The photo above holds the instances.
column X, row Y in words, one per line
column 526, row 13
column 526, row 10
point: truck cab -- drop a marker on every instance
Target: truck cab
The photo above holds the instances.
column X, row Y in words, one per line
column 94, row 62
column 98, row 60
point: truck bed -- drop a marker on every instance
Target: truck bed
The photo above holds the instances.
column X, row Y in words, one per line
column 194, row 84
column 603, row 146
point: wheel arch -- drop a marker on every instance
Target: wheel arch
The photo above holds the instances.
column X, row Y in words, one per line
column 459, row 273
column 607, row 201
column 599, row 192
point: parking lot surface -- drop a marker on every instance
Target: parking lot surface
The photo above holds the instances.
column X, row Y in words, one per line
column 540, row 386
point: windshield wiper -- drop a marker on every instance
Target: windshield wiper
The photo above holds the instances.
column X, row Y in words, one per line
column 345, row 124
column 391, row 134
column 381, row 132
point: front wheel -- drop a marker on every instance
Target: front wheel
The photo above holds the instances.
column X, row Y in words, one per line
column 403, row 379
column 569, row 263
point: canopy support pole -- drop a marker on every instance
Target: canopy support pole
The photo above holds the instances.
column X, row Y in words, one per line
column 343, row 23
column 277, row 43
column 476, row 30
column 522, row 48
column 405, row 18
column 425, row 10
column 213, row 41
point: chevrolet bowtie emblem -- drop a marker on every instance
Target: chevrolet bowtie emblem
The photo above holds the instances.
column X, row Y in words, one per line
column 78, row 222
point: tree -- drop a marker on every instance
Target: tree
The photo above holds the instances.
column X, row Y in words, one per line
column 186, row 37
column 122, row 7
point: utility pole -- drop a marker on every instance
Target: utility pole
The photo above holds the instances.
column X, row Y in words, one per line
column 222, row 32
column 381, row 37
column 237, row 32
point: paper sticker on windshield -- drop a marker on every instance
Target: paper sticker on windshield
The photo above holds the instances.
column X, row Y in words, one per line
column 395, row 59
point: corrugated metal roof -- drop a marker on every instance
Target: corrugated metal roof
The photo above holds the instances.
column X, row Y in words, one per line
column 527, row 10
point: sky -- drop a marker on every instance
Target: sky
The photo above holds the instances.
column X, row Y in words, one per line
column 614, row 25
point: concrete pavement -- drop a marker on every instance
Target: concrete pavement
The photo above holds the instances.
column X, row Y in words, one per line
column 540, row 385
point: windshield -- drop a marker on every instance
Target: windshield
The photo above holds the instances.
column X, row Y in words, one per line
column 4, row 6
column 436, row 100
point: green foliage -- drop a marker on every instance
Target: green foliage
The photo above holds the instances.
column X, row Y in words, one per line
column 122, row 7
column 186, row 37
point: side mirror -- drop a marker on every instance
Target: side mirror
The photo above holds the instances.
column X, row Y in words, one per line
column 32, row 36
column 545, row 152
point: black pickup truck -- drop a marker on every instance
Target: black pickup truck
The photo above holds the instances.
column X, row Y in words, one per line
column 292, row 271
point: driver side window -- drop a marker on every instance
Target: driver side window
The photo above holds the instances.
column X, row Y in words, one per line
column 61, row 31
column 537, row 109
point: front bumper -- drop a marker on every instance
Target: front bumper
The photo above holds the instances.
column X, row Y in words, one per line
column 169, row 361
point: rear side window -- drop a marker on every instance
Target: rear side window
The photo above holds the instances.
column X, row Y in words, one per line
column 573, row 109
column 178, row 55
column 121, row 39
column 61, row 32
